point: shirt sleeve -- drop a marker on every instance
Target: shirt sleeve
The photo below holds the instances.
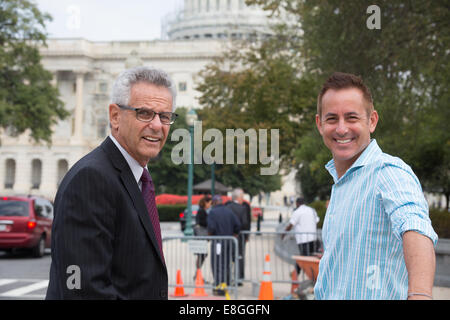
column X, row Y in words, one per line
column 295, row 218
column 404, row 202
column 316, row 216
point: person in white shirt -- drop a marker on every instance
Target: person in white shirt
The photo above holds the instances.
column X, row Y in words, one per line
column 304, row 221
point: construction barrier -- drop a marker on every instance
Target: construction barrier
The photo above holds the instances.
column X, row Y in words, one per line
column 281, row 246
column 204, row 263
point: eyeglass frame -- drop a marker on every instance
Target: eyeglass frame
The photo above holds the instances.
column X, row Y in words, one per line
column 154, row 114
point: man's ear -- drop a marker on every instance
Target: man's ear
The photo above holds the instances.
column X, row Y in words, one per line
column 114, row 115
column 319, row 124
column 373, row 121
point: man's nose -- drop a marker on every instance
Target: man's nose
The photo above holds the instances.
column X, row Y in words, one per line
column 156, row 123
column 341, row 128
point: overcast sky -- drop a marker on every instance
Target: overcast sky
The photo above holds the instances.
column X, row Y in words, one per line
column 105, row 20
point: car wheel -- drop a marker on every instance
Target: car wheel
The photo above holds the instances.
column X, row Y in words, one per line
column 39, row 249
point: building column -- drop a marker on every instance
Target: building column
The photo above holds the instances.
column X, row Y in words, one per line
column 23, row 173
column 54, row 81
column 234, row 5
column 49, row 176
column 188, row 9
column 78, row 130
column 2, row 173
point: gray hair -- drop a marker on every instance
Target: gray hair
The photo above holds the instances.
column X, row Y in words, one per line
column 237, row 193
column 122, row 86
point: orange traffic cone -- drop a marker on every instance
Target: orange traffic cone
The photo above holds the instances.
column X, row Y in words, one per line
column 179, row 289
column 266, row 290
column 295, row 285
column 199, row 285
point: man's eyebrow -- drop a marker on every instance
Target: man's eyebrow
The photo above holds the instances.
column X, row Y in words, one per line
column 352, row 113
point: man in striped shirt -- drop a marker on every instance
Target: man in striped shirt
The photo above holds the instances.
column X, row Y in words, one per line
column 378, row 238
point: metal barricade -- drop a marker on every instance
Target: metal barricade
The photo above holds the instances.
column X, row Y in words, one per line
column 215, row 256
column 281, row 249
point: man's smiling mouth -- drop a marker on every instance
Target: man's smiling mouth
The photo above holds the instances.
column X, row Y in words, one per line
column 151, row 139
column 343, row 141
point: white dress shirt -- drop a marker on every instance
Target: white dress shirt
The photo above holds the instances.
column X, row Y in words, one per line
column 135, row 167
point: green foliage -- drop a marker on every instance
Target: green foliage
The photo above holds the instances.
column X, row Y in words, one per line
column 405, row 63
column 27, row 99
column 260, row 88
column 237, row 176
column 172, row 178
column 169, row 177
column 316, row 182
column 440, row 219
column 321, row 209
column 170, row 212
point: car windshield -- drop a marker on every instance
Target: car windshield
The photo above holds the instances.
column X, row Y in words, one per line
column 11, row 208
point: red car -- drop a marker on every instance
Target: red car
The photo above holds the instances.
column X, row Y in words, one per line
column 25, row 222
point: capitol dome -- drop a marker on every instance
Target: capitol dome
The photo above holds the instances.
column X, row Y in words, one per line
column 216, row 19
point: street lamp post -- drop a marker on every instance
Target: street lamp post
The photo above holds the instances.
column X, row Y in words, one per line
column 191, row 117
column 213, row 178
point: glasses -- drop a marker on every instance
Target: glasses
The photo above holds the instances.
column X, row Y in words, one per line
column 147, row 115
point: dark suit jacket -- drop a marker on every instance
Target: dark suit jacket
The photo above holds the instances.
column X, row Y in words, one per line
column 242, row 213
column 102, row 226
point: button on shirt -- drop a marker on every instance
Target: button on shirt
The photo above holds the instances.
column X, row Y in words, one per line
column 371, row 206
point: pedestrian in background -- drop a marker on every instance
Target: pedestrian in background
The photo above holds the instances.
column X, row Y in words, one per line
column 242, row 211
column 201, row 225
column 222, row 222
column 304, row 221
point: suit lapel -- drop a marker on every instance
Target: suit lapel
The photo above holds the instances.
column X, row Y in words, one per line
column 133, row 190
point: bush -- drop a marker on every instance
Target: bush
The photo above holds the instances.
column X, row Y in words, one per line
column 170, row 212
column 321, row 209
column 440, row 219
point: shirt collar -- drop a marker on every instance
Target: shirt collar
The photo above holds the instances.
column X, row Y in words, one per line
column 135, row 167
column 368, row 156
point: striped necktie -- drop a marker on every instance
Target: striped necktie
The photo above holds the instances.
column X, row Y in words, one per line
column 148, row 192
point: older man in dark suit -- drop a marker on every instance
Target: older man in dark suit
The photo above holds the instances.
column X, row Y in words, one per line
column 106, row 240
column 222, row 222
column 242, row 210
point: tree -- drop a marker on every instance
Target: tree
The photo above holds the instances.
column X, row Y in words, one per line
column 312, row 156
column 405, row 63
column 27, row 98
column 259, row 87
column 238, row 176
column 172, row 178
column 168, row 176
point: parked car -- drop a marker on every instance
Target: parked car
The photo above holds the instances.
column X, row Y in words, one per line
column 25, row 222
column 256, row 211
column 183, row 214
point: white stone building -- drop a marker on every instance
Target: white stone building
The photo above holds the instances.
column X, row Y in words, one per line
column 85, row 70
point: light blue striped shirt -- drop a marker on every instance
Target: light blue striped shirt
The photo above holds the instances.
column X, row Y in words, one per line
column 371, row 206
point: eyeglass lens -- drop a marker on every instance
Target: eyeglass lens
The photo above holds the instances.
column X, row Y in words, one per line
column 148, row 115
